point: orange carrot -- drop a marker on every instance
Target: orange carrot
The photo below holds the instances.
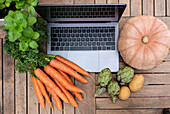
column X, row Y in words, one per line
column 48, row 82
column 44, row 92
column 68, row 94
column 78, row 95
column 56, row 75
column 63, row 67
column 72, row 65
column 55, row 97
column 38, row 92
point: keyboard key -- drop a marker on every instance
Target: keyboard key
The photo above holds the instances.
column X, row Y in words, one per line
column 96, row 39
column 110, row 43
column 108, row 48
column 52, row 48
column 99, row 48
column 89, row 44
column 76, row 43
column 80, row 43
column 87, row 39
column 58, row 44
column 80, row 48
column 67, row 44
column 94, row 48
column 103, row 43
column 62, row 44
column 91, row 39
column 66, row 48
column 104, row 48
column 112, row 47
column 61, row 48
column 56, row 48
column 98, row 43
column 78, row 39
column 94, row 43
column 52, row 44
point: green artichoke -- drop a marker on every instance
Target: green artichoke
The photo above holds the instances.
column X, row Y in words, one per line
column 104, row 77
column 113, row 90
column 125, row 75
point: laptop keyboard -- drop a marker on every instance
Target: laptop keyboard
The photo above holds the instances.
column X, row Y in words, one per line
column 82, row 38
column 92, row 11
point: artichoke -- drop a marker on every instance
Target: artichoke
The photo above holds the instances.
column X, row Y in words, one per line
column 104, row 77
column 113, row 90
column 125, row 75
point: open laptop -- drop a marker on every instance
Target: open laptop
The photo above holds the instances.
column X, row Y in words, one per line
column 85, row 34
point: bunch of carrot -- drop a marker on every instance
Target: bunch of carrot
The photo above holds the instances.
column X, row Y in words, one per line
column 55, row 80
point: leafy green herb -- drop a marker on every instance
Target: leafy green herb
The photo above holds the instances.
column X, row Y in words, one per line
column 20, row 4
column 29, row 55
column 20, row 28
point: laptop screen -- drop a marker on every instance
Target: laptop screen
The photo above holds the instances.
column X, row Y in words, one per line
column 81, row 12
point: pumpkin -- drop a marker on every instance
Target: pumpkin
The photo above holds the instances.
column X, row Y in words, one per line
column 144, row 42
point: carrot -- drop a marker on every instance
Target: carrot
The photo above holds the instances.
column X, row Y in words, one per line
column 44, row 92
column 55, row 97
column 72, row 65
column 56, row 75
column 38, row 92
column 68, row 94
column 48, row 82
column 78, row 95
column 63, row 67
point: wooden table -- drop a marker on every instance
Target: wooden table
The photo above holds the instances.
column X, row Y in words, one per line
column 17, row 94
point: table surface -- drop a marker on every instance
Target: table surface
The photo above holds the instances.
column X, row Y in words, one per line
column 17, row 93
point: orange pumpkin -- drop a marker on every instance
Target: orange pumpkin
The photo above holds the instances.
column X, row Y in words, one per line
column 144, row 42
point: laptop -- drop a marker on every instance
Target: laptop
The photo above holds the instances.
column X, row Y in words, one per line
column 86, row 34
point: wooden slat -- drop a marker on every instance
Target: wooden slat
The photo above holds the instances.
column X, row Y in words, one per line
column 159, row 7
column 147, row 7
column 168, row 8
column 1, row 89
column 135, row 111
column 20, row 93
column 32, row 99
column 124, row 19
column 135, row 7
column 127, row 10
column 154, row 79
column 8, row 84
column 84, row 1
column 56, row 111
column 89, row 89
column 131, row 103
column 100, row 1
column 161, row 68
column 112, row 1
column 68, row 108
column 55, row 1
column 149, row 91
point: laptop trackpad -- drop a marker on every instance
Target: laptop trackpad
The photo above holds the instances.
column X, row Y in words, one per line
column 86, row 60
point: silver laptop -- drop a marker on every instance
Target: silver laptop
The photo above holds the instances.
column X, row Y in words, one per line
column 85, row 34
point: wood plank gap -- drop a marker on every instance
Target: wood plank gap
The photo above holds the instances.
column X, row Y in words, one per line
column 14, row 91
column 166, row 9
column 142, row 7
column 153, row 7
column 26, row 93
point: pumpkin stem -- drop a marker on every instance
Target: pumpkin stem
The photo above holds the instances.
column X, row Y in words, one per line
column 145, row 39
